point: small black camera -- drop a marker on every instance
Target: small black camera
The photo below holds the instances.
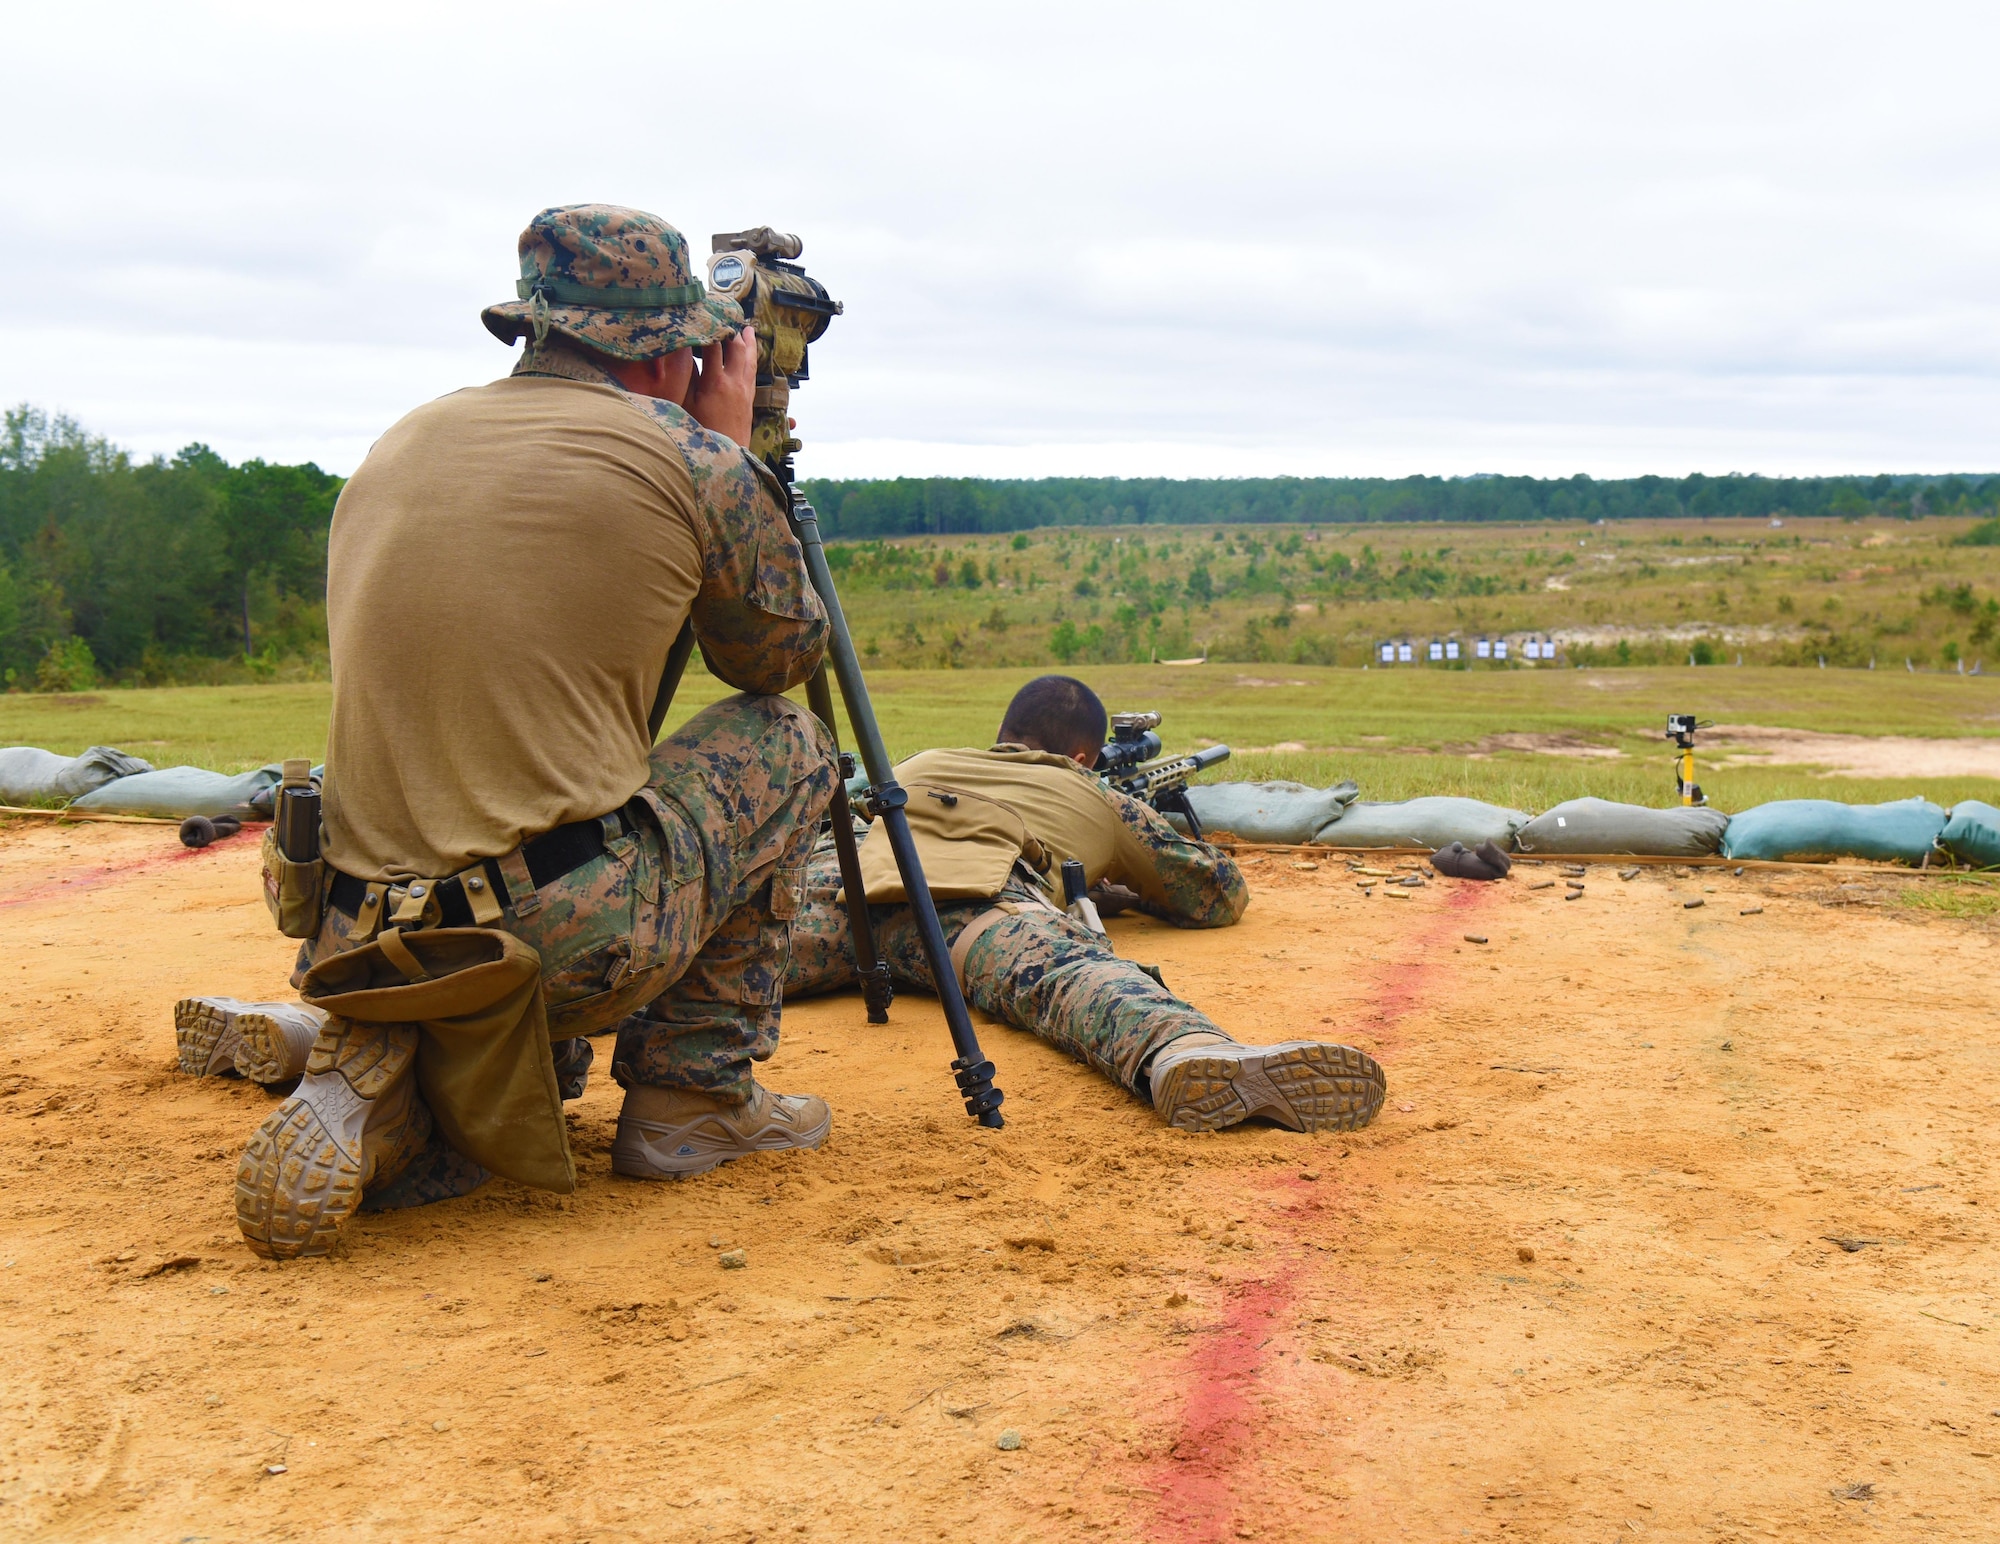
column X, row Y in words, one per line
column 1680, row 729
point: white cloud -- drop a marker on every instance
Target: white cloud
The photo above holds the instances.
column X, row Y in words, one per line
column 1262, row 238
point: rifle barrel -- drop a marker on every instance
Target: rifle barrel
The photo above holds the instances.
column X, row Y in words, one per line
column 1142, row 782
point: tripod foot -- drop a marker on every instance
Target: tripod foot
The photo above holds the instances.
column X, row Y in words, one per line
column 877, row 991
column 982, row 1099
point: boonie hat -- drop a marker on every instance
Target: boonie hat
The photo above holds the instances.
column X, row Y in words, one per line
column 616, row 280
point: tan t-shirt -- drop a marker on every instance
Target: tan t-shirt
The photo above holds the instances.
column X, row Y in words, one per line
column 967, row 848
column 505, row 574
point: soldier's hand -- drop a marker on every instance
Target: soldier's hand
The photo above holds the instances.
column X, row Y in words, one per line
column 723, row 394
column 1112, row 899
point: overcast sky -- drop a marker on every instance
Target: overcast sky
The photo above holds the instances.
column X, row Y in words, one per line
column 1083, row 238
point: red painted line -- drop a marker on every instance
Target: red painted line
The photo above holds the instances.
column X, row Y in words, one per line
column 57, row 887
column 1222, row 1429
column 1218, row 1419
column 1402, row 985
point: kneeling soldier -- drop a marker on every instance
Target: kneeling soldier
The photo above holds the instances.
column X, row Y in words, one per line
column 987, row 824
column 508, row 859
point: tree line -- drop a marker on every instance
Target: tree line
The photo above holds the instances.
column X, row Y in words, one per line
column 191, row 568
column 942, row 506
column 139, row 570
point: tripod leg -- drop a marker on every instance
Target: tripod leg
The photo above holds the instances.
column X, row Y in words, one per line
column 970, row 1067
column 876, row 987
column 670, row 679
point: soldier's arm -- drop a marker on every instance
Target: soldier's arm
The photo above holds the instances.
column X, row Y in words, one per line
column 757, row 617
column 1179, row 879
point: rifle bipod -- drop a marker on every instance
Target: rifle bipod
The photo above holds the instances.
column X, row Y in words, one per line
column 886, row 801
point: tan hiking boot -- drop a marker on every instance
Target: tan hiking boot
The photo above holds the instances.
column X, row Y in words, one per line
column 264, row 1042
column 669, row 1133
column 1305, row 1085
column 355, row 1121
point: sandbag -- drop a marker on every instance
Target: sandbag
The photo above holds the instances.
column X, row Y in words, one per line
column 178, row 792
column 1267, row 812
column 1811, row 829
column 1972, row 834
column 1431, row 823
column 29, row 775
column 1599, row 825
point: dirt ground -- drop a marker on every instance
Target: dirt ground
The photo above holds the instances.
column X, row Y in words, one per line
column 1855, row 755
column 1579, row 1282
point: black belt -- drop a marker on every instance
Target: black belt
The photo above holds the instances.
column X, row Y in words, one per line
column 548, row 856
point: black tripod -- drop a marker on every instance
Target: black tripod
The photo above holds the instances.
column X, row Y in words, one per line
column 885, row 800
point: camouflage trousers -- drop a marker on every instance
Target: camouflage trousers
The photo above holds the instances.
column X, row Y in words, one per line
column 678, row 933
column 1039, row 970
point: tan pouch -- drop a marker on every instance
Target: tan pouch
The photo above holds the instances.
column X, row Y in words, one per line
column 483, row 1061
column 294, row 892
column 967, row 843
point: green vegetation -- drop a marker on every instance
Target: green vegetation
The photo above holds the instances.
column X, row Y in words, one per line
column 1398, row 735
column 191, row 570
column 229, row 728
column 941, row 506
column 1959, row 895
column 161, row 570
column 1643, row 592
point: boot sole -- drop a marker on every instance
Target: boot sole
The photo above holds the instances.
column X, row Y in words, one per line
column 1304, row 1086
column 300, row 1176
column 206, row 1037
column 680, row 1152
column 263, row 1053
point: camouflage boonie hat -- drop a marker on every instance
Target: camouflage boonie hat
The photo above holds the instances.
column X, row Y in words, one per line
column 616, row 280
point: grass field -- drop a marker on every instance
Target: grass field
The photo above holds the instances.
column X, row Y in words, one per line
column 1399, row 734
column 1641, row 592
column 1636, row 593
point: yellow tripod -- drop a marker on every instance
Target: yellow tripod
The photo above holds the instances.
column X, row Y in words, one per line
column 1681, row 728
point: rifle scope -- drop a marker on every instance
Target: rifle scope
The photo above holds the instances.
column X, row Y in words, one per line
column 1134, row 739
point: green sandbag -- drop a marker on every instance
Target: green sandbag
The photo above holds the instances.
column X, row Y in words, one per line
column 1972, row 835
column 1599, row 825
column 1432, row 822
column 1268, row 812
column 178, row 792
column 32, row 776
column 1902, row 831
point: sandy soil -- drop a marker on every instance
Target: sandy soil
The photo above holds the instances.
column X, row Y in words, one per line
column 1577, row 1283
column 1854, row 755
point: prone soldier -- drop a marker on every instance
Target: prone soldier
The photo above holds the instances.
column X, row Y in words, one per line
column 508, row 861
column 988, row 824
